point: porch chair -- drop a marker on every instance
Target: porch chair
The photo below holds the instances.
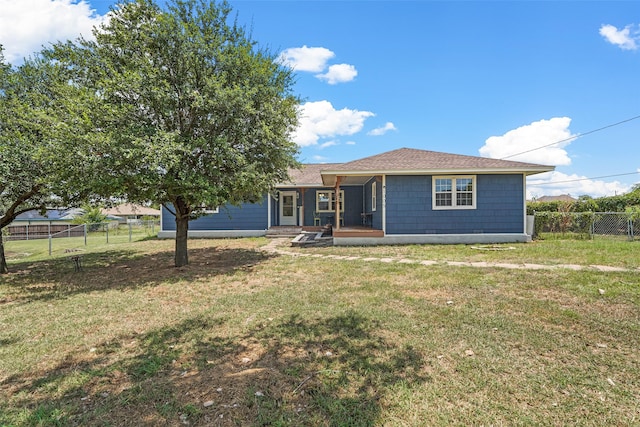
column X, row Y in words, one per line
column 316, row 219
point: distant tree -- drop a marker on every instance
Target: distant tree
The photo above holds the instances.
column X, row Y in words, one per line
column 34, row 165
column 188, row 112
column 92, row 216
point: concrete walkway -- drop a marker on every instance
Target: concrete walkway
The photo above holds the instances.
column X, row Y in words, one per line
column 277, row 246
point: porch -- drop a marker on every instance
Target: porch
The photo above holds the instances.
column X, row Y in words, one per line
column 357, row 231
column 327, row 230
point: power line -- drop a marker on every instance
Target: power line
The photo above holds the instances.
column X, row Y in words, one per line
column 572, row 137
column 585, row 179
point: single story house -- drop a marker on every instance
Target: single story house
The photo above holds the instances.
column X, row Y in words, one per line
column 51, row 216
column 400, row 196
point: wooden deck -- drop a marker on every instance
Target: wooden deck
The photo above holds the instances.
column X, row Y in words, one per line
column 349, row 231
column 357, row 232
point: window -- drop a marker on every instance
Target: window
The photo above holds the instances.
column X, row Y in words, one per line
column 454, row 192
column 326, row 201
column 374, row 196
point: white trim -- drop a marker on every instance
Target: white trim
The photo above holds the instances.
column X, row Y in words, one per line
column 403, row 239
column 161, row 216
column 454, row 206
column 384, row 204
column 269, row 201
column 524, row 203
column 332, row 207
column 440, row 171
column 213, row 234
column 374, row 195
column 294, row 217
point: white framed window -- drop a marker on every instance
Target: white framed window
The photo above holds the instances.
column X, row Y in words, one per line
column 454, row 192
column 374, row 196
column 326, row 201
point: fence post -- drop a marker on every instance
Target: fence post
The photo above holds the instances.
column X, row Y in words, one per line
column 129, row 232
column 27, row 227
column 107, row 227
column 85, row 234
column 49, row 244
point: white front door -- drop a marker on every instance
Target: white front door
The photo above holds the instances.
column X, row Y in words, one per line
column 288, row 208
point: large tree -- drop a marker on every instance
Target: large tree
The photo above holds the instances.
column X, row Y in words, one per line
column 36, row 168
column 190, row 111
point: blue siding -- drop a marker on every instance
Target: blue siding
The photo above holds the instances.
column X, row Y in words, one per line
column 352, row 206
column 248, row 216
column 499, row 207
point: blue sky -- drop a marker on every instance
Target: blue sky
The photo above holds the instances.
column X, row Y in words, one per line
column 478, row 78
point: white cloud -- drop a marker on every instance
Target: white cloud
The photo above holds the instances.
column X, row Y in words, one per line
column 320, row 120
column 626, row 38
column 328, row 144
column 312, row 59
column 527, row 139
column 556, row 183
column 382, row 130
column 339, row 73
column 27, row 25
column 315, row 60
column 350, row 143
column 320, row 159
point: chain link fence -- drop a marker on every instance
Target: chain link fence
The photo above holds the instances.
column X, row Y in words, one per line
column 73, row 237
column 589, row 224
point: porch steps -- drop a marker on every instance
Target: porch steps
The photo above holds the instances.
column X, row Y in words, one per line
column 283, row 231
column 310, row 238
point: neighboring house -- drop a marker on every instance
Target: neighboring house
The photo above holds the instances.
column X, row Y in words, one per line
column 560, row 198
column 129, row 212
column 34, row 224
column 401, row 196
column 50, row 216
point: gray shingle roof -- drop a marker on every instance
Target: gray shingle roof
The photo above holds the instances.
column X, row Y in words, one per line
column 407, row 160
column 410, row 159
column 309, row 174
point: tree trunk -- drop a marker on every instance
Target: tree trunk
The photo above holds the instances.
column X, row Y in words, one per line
column 3, row 261
column 182, row 229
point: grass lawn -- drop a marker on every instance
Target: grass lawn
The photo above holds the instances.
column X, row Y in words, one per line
column 244, row 337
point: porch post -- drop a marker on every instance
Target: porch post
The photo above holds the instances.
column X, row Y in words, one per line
column 337, row 193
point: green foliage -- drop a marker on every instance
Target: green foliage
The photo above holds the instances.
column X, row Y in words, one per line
column 35, row 163
column 92, row 216
column 564, row 222
column 586, row 204
column 189, row 111
column 581, row 205
column 633, row 212
column 619, row 203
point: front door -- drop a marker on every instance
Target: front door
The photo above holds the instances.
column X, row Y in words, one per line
column 288, row 208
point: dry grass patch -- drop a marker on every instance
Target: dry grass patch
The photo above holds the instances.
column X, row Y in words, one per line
column 241, row 337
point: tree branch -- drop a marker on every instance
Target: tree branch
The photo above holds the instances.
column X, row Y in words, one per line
column 13, row 211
